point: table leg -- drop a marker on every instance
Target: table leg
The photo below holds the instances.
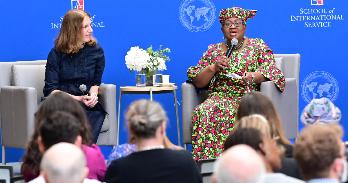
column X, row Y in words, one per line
column 151, row 94
column 177, row 117
column 118, row 118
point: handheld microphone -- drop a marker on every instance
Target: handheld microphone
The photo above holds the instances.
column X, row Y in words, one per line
column 234, row 43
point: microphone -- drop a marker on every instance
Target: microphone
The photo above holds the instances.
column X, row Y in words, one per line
column 234, row 43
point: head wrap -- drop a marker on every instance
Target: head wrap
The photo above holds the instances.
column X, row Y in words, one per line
column 322, row 110
column 236, row 12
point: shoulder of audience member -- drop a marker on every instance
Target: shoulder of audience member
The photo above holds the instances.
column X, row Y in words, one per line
column 91, row 181
column 91, row 149
column 280, row 177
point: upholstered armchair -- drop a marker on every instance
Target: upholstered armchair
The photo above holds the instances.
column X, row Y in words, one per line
column 19, row 101
column 6, row 78
column 286, row 103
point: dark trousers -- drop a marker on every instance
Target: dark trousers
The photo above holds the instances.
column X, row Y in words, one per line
column 96, row 116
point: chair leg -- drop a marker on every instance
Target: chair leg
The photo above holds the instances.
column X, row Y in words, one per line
column 3, row 158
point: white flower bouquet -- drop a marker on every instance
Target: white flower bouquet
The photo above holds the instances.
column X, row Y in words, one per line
column 148, row 61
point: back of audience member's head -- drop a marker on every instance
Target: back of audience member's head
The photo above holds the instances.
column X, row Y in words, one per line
column 256, row 121
column 58, row 101
column 144, row 117
column 59, row 127
column 239, row 164
column 257, row 103
column 254, row 131
column 321, row 110
column 64, row 162
column 249, row 136
column 244, row 129
column 318, row 148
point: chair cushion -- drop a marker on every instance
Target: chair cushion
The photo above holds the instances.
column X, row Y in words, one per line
column 5, row 73
column 6, row 68
column 30, row 76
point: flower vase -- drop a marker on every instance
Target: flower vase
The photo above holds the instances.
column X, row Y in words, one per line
column 145, row 78
column 150, row 78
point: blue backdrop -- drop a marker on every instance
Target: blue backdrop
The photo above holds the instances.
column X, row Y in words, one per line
column 316, row 29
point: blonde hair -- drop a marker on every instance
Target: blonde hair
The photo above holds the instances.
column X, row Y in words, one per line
column 144, row 117
column 256, row 121
column 69, row 39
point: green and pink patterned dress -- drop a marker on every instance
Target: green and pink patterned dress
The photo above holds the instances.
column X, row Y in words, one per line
column 214, row 119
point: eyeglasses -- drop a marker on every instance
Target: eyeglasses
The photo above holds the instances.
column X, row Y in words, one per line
column 236, row 24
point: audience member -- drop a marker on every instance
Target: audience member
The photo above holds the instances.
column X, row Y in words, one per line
column 146, row 122
column 257, row 103
column 123, row 150
column 60, row 101
column 263, row 143
column 63, row 162
column 321, row 110
column 239, row 164
column 320, row 153
column 60, row 126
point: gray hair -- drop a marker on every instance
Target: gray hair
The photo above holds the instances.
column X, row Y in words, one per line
column 64, row 162
column 239, row 164
column 144, row 117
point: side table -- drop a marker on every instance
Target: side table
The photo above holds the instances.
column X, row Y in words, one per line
column 150, row 90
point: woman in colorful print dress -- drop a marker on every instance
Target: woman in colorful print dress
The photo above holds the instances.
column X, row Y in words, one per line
column 252, row 60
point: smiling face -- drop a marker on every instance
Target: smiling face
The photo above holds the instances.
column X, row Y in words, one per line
column 233, row 28
column 86, row 29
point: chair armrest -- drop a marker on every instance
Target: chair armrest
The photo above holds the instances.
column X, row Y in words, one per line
column 18, row 106
column 190, row 100
column 108, row 101
column 286, row 104
column 107, row 98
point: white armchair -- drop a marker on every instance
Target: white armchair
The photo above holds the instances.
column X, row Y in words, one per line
column 286, row 103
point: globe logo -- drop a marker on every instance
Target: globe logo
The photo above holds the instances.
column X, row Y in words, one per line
column 197, row 15
column 319, row 84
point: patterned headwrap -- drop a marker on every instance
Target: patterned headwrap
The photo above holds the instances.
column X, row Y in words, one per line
column 236, row 12
column 322, row 110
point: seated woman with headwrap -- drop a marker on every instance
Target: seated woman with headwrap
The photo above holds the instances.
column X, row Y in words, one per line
column 228, row 79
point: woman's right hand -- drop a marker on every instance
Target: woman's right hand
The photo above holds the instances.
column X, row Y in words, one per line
column 203, row 78
column 219, row 65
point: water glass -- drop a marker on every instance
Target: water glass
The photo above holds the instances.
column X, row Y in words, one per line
column 140, row 79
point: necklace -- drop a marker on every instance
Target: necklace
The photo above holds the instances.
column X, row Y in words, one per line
column 146, row 148
column 239, row 45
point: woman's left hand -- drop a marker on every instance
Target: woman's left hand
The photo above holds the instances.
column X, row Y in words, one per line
column 253, row 77
column 249, row 77
column 90, row 100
